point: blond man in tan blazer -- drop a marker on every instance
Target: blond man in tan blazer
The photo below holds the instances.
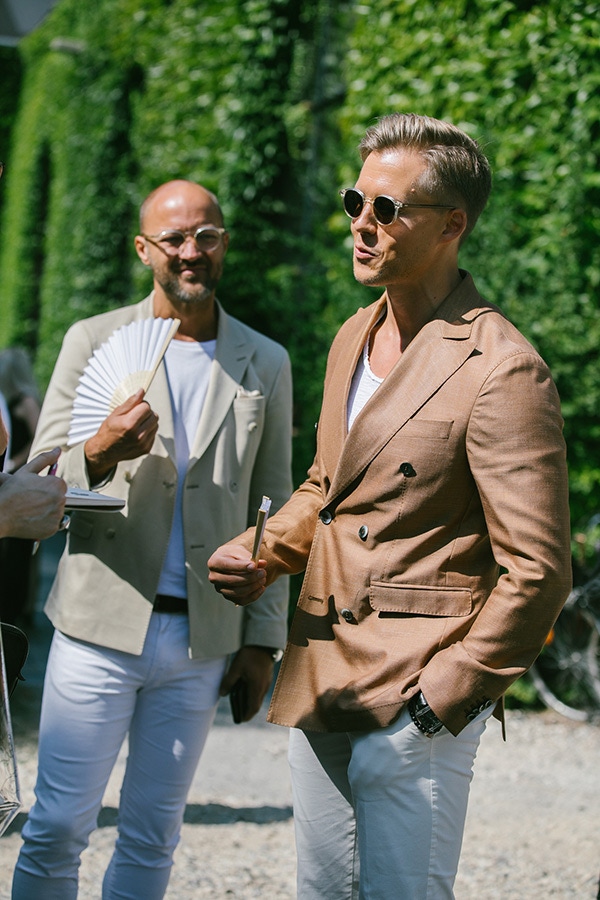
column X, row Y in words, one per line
column 433, row 529
column 143, row 646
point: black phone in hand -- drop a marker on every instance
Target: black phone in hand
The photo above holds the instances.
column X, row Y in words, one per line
column 238, row 698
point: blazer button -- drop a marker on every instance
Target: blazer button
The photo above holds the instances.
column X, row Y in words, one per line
column 407, row 470
column 326, row 516
column 347, row 614
column 363, row 532
column 110, row 533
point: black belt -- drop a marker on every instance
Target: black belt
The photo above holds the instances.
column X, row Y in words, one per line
column 165, row 604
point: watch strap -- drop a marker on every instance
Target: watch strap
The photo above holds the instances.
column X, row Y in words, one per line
column 423, row 716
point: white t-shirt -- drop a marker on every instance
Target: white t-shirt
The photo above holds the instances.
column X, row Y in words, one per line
column 364, row 384
column 188, row 365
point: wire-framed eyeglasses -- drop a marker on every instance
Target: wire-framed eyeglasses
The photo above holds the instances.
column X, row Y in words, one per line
column 205, row 238
column 385, row 209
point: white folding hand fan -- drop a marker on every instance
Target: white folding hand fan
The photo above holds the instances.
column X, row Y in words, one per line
column 123, row 364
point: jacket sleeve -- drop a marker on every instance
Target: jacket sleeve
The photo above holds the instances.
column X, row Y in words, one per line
column 517, row 455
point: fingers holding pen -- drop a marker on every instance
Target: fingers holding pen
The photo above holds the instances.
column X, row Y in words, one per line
column 32, row 506
column 46, row 460
column 234, row 574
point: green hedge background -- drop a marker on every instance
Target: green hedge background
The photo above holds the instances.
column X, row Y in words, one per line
column 264, row 102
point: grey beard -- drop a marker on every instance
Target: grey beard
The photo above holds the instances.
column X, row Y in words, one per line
column 198, row 294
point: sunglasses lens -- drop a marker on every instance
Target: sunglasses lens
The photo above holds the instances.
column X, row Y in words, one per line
column 384, row 210
column 353, row 203
column 383, row 207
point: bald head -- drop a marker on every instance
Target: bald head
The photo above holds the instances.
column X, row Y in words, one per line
column 184, row 242
column 176, row 196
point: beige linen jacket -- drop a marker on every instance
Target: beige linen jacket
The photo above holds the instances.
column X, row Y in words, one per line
column 107, row 577
column 454, row 471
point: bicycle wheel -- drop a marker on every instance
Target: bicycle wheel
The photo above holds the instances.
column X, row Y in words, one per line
column 588, row 598
column 566, row 674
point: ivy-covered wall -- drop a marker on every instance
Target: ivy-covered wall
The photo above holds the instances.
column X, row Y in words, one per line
column 10, row 82
column 264, row 101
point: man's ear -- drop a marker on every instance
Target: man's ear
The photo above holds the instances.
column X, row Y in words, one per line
column 140, row 249
column 456, row 223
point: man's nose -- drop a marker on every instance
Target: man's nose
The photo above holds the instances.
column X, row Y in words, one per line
column 189, row 247
column 366, row 217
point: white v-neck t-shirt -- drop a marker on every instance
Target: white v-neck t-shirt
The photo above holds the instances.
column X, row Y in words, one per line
column 188, row 365
column 364, row 384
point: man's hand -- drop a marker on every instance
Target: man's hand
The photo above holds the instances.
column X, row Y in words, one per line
column 254, row 666
column 233, row 574
column 128, row 432
column 32, row 506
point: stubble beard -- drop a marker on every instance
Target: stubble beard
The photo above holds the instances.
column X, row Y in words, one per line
column 369, row 277
column 194, row 294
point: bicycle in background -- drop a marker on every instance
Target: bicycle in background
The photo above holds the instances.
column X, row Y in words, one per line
column 566, row 674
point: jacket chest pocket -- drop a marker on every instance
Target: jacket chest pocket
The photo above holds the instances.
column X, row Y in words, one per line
column 249, row 417
column 428, row 429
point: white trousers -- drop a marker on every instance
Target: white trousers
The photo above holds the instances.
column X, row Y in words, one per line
column 380, row 815
column 93, row 698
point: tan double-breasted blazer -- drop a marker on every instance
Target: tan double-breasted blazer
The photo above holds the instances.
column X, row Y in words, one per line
column 434, row 535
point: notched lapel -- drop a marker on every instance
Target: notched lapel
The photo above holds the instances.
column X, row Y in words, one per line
column 232, row 356
column 334, row 426
column 436, row 353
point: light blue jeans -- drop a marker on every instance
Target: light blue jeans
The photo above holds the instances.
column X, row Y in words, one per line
column 93, row 698
column 380, row 814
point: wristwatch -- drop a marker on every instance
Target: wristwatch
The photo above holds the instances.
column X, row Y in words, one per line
column 423, row 716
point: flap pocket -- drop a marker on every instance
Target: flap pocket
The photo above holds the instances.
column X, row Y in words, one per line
column 430, row 429
column 419, row 599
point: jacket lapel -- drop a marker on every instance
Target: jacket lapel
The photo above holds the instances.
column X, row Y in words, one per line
column 232, row 356
column 333, row 426
column 436, row 353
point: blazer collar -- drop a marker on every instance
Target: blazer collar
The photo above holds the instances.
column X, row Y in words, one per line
column 439, row 349
column 233, row 353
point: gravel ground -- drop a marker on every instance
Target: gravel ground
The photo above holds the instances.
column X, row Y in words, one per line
column 532, row 828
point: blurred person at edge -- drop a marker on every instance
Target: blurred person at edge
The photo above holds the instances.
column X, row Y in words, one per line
column 433, row 528
column 17, row 384
column 30, row 507
column 143, row 647
column 18, row 566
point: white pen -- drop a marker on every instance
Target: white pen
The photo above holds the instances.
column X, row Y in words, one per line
column 261, row 521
